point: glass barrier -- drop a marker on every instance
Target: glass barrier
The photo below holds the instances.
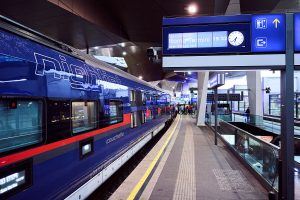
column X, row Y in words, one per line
column 255, row 120
column 260, row 155
column 208, row 119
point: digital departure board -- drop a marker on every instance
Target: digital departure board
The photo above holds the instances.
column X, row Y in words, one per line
column 206, row 39
column 198, row 40
column 259, row 33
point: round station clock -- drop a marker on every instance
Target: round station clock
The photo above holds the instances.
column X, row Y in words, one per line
column 236, row 38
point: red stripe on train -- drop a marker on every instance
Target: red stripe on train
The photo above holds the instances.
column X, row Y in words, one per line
column 38, row 150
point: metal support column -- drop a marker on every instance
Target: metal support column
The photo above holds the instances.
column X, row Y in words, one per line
column 216, row 114
column 286, row 187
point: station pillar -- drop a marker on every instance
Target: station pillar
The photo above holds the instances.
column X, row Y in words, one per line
column 255, row 92
column 202, row 96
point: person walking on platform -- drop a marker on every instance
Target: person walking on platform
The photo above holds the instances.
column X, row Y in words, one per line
column 190, row 109
column 247, row 113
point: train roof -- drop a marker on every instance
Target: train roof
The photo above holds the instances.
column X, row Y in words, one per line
column 107, row 67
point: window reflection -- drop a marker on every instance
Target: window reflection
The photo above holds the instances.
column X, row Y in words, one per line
column 20, row 123
column 83, row 116
column 115, row 111
column 133, row 120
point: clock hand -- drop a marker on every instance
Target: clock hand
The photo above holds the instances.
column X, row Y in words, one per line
column 235, row 39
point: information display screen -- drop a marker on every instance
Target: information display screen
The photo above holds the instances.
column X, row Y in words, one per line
column 198, row 40
column 259, row 33
column 15, row 178
column 206, row 39
column 12, row 181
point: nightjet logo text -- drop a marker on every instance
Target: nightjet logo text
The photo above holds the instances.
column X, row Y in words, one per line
column 82, row 77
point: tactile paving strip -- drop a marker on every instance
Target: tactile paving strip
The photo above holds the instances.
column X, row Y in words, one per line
column 186, row 183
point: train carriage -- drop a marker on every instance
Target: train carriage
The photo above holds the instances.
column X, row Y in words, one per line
column 67, row 120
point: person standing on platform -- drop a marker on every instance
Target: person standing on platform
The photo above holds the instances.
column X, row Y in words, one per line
column 176, row 109
column 247, row 113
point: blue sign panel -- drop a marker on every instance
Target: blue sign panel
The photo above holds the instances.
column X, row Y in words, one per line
column 268, row 33
column 263, row 33
column 225, row 38
column 186, row 21
column 297, row 31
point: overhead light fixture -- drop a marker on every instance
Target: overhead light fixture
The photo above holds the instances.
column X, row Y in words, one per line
column 133, row 49
column 122, row 44
column 124, row 53
column 192, row 9
column 140, row 77
column 96, row 48
column 189, row 73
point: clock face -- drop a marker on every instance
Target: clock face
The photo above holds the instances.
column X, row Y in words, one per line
column 236, row 38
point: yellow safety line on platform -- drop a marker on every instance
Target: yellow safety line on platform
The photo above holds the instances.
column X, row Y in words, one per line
column 141, row 182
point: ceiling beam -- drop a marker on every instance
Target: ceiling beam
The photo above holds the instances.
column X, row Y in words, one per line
column 95, row 12
column 234, row 8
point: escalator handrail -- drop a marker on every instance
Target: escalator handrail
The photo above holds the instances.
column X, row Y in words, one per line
column 252, row 136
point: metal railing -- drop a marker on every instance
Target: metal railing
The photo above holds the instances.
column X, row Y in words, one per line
column 254, row 120
column 258, row 154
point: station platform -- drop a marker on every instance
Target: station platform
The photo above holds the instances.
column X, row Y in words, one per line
column 185, row 164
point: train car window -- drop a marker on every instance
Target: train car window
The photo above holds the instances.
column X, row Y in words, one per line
column 133, row 119
column 20, row 123
column 83, row 116
column 143, row 116
column 115, row 111
column 132, row 95
column 149, row 99
column 58, row 113
column 149, row 114
column 144, row 98
column 159, row 111
column 163, row 110
column 154, row 99
column 139, row 98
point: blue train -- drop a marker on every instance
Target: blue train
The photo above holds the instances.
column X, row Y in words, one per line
column 67, row 120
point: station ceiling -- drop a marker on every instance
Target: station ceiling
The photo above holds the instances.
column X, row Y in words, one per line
column 89, row 23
